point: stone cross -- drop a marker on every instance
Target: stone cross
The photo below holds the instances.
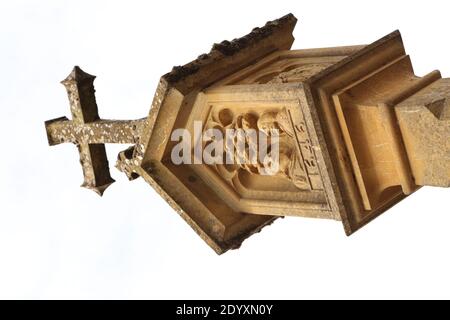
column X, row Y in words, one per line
column 359, row 133
column 88, row 132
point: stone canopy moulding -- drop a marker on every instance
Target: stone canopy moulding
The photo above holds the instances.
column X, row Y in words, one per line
column 357, row 132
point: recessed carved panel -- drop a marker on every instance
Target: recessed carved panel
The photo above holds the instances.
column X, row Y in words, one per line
column 300, row 73
column 296, row 188
column 248, row 157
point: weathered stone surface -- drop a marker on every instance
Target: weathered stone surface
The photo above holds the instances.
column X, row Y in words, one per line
column 359, row 132
column 424, row 119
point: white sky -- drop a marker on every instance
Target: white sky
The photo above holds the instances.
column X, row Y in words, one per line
column 60, row 241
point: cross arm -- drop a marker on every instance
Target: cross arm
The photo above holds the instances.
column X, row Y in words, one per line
column 63, row 130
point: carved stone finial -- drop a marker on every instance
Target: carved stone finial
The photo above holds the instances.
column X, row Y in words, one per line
column 358, row 132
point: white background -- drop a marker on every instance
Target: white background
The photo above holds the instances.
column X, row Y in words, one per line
column 60, row 241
